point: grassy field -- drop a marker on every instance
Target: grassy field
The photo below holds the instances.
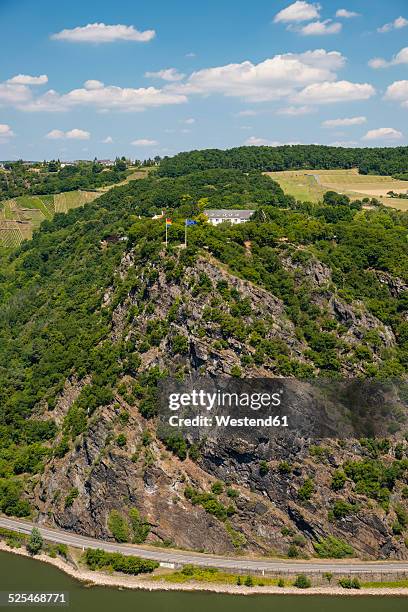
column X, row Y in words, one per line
column 310, row 185
column 20, row 216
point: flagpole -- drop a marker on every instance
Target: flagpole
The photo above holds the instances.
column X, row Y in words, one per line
column 165, row 220
column 185, row 234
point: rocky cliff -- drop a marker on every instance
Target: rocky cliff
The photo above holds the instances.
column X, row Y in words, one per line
column 231, row 494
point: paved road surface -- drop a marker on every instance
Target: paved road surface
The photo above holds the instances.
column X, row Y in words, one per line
column 180, row 557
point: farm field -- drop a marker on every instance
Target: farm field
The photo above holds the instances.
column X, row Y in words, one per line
column 20, row 216
column 311, row 185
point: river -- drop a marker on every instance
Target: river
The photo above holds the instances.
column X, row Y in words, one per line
column 20, row 574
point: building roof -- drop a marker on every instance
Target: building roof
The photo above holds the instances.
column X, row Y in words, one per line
column 225, row 213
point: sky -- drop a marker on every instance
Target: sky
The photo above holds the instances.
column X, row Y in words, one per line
column 84, row 79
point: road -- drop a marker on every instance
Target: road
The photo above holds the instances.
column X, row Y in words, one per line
column 227, row 563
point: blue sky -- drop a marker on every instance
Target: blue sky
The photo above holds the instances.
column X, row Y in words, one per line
column 100, row 78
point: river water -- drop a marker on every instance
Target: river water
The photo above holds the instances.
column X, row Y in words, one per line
column 23, row 574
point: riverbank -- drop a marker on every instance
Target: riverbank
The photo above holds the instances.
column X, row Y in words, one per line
column 98, row 578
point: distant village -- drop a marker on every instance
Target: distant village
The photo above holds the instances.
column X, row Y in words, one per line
column 105, row 163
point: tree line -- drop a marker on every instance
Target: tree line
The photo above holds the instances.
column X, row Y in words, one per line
column 383, row 161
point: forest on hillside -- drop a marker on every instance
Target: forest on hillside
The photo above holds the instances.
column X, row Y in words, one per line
column 18, row 179
column 51, row 288
column 391, row 161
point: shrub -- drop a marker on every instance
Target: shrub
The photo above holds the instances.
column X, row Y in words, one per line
column 179, row 345
column 293, row 551
column 236, row 371
column 350, row 583
column 285, row 467
column 249, row 582
column 397, row 528
column 99, row 559
column 121, row 440
column 338, row 480
column 332, row 548
column 217, row 487
column 232, row 493
column 281, row 582
column 118, row 526
column 342, row 509
column 140, row 527
column 306, row 490
column 194, row 452
column 69, row 500
column 402, row 515
column 263, row 468
column 302, row 582
column 62, row 549
column 177, row 445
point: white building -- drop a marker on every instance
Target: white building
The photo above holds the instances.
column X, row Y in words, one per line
column 216, row 216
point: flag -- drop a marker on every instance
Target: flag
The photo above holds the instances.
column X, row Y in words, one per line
column 191, row 222
column 168, row 222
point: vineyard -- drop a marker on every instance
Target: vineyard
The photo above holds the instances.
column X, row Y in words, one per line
column 20, row 216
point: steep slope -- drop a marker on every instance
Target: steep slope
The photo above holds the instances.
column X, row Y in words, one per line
column 95, row 312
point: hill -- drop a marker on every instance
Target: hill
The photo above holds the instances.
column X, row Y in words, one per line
column 383, row 161
column 22, row 215
column 95, row 312
column 311, row 185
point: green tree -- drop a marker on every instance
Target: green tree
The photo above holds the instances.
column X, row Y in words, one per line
column 35, row 542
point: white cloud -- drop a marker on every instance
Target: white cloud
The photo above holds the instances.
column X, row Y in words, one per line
column 167, row 74
column 254, row 141
column 345, row 14
column 397, row 24
column 102, row 33
column 26, row 79
column 398, row 92
column 343, row 143
column 191, row 54
column 257, row 142
column 74, row 134
column 107, row 140
column 55, row 135
column 297, row 12
column 383, row 134
column 346, row 121
column 321, row 28
column 272, row 79
column 12, row 94
column 377, row 62
column 400, row 58
column 93, row 84
column 102, row 97
column 189, row 121
column 340, row 91
column 294, row 111
column 5, row 132
column 144, row 142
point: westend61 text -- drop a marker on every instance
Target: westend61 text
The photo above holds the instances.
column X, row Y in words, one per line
column 228, row 421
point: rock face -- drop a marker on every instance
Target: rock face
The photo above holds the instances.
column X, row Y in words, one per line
column 267, row 514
